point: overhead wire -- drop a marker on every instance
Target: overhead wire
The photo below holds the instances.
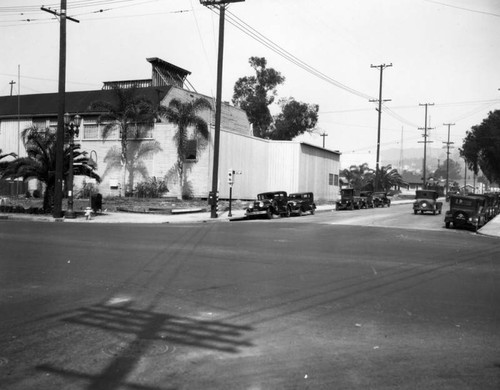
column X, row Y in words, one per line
column 254, row 34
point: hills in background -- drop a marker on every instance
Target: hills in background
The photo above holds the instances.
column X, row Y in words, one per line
column 411, row 159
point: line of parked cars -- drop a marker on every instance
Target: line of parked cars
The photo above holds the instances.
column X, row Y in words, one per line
column 269, row 204
column 351, row 199
column 472, row 211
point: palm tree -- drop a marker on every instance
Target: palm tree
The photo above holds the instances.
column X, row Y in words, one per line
column 128, row 114
column 185, row 116
column 359, row 177
column 389, row 177
column 40, row 162
column 3, row 164
column 136, row 152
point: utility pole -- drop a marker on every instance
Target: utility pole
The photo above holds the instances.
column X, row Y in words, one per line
column 324, row 135
column 448, row 143
column 222, row 5
column 12, row 82
column 425, row 141
column 379, row 109
column 58, row 193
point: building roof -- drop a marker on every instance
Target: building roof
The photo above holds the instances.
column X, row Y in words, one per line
column 46, row 104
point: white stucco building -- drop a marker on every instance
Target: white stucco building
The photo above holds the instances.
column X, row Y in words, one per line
column 265, row 165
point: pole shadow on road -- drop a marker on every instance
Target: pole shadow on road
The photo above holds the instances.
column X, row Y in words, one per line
column 142, row 334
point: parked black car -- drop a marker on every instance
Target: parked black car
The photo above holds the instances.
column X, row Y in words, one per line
column 466, row 212
column 269, row 204
column 380, row 199
column 426, row 201
column 349, row 199
column 301, row 202
column 366, row 199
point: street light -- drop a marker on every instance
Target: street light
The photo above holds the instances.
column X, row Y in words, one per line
column 72, row 128
column 218, row 102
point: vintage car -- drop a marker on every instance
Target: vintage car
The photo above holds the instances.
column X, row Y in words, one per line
column 490, row 208
column 366, row 199
column 466, row 212
column 269, row 204
column 301, row 202
column 349, row 199
column 426, row 201
column 380, row 199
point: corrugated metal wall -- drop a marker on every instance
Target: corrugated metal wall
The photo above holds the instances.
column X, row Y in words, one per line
column 10, row 137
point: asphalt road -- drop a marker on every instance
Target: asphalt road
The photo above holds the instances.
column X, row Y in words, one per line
column 368, row 299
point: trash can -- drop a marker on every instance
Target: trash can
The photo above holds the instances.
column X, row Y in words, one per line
column 96, row 202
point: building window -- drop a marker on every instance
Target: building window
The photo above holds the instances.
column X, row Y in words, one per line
column 333, row 180
column 90, row 129
column 191, row 148
column 53, row 125
column 144, row 130
column 39, row 123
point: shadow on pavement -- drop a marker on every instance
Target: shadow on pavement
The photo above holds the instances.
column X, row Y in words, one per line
column 138, row 334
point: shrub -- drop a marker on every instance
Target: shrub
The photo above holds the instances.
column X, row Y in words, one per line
column 151, row 188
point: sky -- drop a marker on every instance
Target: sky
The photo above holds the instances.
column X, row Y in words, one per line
column 443, row 52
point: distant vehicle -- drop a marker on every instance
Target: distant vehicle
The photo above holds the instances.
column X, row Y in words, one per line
column 451, row 192
column 366, row 199
column 269, row 204
column 380, row 199
column 301, row 202
column 349, row 199
column 466, row 212
column 490, row 208
column 426, row 201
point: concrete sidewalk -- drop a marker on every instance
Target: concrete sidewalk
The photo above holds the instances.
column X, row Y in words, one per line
column 492, row 228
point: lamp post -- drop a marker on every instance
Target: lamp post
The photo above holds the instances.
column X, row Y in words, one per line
column 72, row 128
column 222, row 4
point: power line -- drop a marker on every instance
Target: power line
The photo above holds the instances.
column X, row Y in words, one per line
column 254, row 34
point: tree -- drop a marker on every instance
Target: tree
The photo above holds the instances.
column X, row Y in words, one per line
column 40, row 162
column 454, row 170
column 363, row 178
column 481, row 147
column 130, row 114
column 254, row 94
column 3, row 164
column 136, row 152
column 185, row 117
column 358, row 177
column 389, row 177
column 295, row 118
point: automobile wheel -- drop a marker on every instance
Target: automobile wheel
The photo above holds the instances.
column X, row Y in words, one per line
column 269, row 213
column 447, row 224
column 433, row 212
column 415, row 212
column 312, row 211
